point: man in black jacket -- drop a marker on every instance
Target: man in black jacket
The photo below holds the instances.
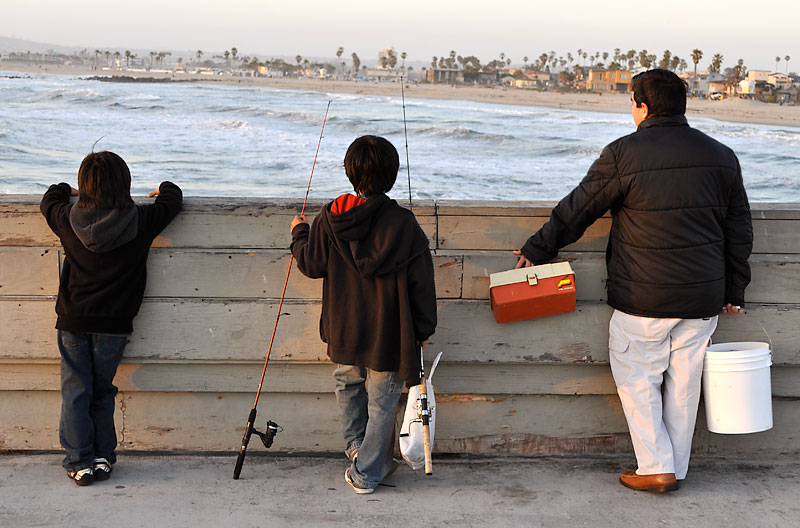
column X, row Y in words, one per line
column 677, row 253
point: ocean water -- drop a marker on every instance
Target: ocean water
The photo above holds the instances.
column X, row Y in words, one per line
column 252, row 141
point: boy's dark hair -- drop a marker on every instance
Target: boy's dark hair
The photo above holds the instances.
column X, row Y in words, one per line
column 662, row 91
column 104, row 180
column 371, row 165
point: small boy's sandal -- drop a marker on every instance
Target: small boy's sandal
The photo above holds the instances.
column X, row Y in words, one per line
column 102, row 469
column 82, row 477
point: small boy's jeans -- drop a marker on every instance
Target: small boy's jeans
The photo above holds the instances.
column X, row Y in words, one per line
column 367, row 402
column 88, row 365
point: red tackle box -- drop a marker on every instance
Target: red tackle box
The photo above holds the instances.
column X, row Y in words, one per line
column 537, row 291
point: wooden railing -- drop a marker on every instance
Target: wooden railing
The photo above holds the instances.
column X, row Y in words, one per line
column 214, row 279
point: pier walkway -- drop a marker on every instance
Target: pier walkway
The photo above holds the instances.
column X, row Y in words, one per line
column 191, row 491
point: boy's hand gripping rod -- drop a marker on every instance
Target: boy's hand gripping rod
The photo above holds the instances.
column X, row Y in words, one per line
column 272, row 427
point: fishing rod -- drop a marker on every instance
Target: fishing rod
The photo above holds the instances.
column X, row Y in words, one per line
column 405, row 134
column 272, row 428
column 423, row 413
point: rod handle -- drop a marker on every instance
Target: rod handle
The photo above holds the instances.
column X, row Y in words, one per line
column 426, row 427
column 248, row 431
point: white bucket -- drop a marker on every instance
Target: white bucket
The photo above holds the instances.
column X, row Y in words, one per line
column 737, row 388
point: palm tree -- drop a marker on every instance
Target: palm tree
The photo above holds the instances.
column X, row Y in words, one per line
column 525, row 62
column 542, row 61
column 433, row 62
column 152, row 58
column 116, row 56
column 580, row 54
column 777, row 60
column 786, row 58
column 96, row 57
column 643, row 59
column 107, row 54
column 127, row 58
column 339, row 52
column 356, row 62
column 403, row 56
column 696, row 56
column 665, row 60
column 716, row 63
column 198, row 54
column 299, row 59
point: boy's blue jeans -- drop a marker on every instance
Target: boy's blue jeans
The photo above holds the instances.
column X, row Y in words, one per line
column 88, row 365
column 367, row 402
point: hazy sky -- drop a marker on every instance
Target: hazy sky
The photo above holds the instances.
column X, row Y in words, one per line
column 756, row 32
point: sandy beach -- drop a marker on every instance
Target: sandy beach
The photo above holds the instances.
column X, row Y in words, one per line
column 732, row 110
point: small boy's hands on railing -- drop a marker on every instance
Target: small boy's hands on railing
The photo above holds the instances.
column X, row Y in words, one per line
column 523, row 262
column 299, row 219
column 157, row 192
column 731, row 309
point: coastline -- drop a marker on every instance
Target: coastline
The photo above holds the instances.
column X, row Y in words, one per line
column 729, row 110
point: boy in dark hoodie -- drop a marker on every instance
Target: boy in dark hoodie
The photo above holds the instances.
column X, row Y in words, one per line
column 106, row 239
column 378, row 302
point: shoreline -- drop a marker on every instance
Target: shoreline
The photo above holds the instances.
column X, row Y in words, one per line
column 728, row 110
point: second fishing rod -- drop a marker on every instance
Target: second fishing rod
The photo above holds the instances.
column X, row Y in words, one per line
column 272, row 429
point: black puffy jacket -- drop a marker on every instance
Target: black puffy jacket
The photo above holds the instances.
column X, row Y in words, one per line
column 681, row 230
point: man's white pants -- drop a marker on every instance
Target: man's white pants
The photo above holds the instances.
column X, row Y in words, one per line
column 658, row 365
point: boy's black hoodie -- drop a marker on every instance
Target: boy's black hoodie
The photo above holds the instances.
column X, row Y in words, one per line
column 379, row 298
column 105, row 256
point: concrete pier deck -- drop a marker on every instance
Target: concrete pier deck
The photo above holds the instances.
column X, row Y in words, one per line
column 275, row 491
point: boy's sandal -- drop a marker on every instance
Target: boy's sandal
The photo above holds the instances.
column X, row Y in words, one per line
column 102, row 469
column 81, row 477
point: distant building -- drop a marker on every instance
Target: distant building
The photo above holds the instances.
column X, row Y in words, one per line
column 608, row 80
column 781, row 80
column 758, row 75
column 444, row 76
column 747, row 87
column 380, row 74
column 263, row 70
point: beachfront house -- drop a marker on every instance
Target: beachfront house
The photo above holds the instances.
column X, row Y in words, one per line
column 779, row 80
column 758, row 75
column 608, row 81
column 381, row 74
column 444, row 76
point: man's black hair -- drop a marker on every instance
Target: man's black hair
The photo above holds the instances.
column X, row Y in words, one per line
column 662, row 91
column 371, row 165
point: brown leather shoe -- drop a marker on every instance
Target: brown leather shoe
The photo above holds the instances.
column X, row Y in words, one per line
column 658, row 483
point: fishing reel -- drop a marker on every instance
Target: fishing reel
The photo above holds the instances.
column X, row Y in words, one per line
column 266, row 437
column 269, row 435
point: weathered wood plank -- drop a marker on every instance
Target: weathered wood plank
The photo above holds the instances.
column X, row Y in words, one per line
column 590, row 272
column 775, row 278
column 238, row 330
column 253, row 274
column 28, row 271
column 451, row 378
column 465, row 424
column 509, row 233
column 763, row 211
column 203, row 223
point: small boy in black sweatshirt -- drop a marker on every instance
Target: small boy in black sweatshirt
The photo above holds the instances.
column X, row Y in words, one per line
column 378, row 302
column 106, row 239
